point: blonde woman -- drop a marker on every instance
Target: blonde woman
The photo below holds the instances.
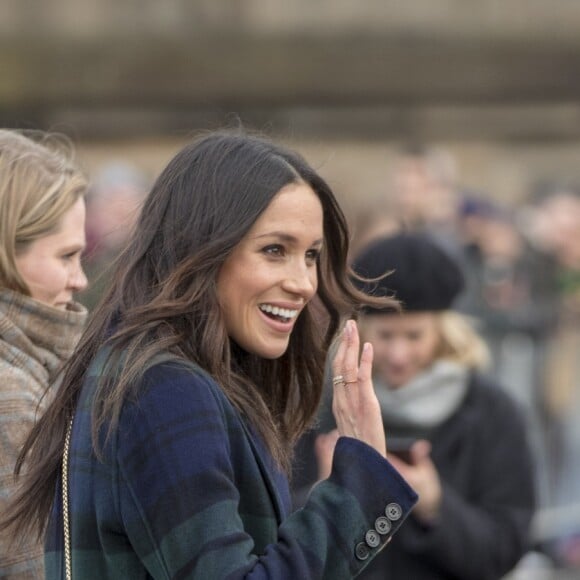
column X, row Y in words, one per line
column 42, row 236
column 455, row 437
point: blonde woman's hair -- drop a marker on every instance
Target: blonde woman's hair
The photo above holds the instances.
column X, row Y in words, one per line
column 460, row 342
column 39, row 183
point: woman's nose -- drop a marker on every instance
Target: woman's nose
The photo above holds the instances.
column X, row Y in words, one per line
column 78, row 280
column 301, row 279
column 398, row 352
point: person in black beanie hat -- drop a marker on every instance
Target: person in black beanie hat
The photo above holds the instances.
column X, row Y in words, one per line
column 421, row 275
column 456, row 437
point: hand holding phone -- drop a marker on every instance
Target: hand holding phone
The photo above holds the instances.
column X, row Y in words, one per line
column 401, row 447
column 412, row 458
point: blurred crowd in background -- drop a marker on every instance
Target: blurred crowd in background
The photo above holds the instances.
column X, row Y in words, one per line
column 522, row 265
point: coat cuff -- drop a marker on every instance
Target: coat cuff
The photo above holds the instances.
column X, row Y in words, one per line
column 384, row 497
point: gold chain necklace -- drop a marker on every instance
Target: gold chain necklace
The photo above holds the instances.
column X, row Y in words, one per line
column 65, row 510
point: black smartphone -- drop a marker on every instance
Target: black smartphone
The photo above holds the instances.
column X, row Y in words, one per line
column 400, row 447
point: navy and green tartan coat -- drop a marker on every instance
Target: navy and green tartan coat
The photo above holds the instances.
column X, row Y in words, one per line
column 187, row 490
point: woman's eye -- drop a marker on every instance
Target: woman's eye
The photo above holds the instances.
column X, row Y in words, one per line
column 313, row 255
column 69, row 256
column 274, row 250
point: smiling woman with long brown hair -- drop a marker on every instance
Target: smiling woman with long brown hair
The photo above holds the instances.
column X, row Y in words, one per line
column 165, row 454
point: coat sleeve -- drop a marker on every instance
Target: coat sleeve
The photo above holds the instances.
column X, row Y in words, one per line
column 179, row 496
column 483, row 536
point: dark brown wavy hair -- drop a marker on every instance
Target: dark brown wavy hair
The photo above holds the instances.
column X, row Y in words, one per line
column 163, row 299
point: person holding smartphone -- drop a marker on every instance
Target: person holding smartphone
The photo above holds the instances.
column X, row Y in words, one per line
column 454, row 435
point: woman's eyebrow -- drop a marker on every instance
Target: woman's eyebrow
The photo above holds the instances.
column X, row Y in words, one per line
column 73, row 248
column 286, row 237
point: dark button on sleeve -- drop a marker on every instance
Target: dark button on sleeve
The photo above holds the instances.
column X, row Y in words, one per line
column 362, row 551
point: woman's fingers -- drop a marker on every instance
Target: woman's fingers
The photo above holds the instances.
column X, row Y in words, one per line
column 365, row 371
column 337, row 366
column 351, row 355
column 350, row 377
column 341, row 404
column 355, row 405
column 366, row 362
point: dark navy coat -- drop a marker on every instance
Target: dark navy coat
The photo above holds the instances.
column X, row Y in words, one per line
column 187, row 490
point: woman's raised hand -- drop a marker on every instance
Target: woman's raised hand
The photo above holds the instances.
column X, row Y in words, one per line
column 354, row 403
column 421, row 474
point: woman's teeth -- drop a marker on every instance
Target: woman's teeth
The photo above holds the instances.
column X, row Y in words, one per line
column 283, row 314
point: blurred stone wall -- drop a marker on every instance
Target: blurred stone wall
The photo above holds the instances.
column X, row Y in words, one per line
column 344, row 80
column 468, row 18
column 432, row 68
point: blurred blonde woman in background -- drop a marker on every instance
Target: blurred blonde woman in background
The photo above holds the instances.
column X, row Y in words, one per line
column 42, row 237
column 454, row 435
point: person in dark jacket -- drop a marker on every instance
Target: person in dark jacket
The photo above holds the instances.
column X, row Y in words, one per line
column 165, row 452
column 454, row 435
